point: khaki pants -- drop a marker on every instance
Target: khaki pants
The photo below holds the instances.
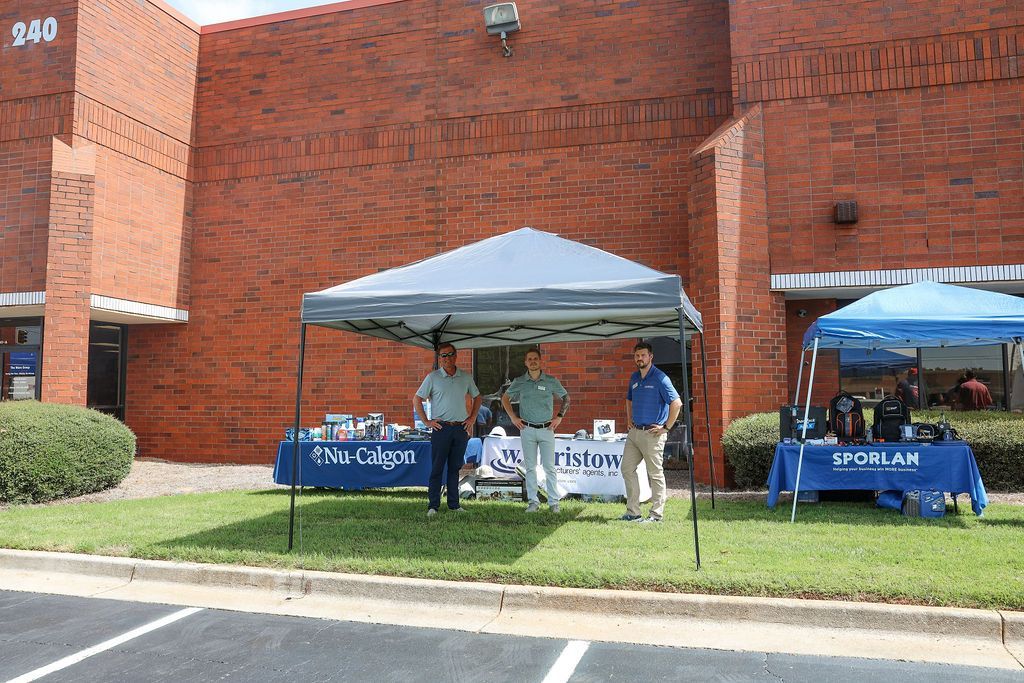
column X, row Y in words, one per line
column 641, row 445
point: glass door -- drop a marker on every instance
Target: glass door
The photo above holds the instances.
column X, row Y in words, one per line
column 20, row 378
column 20, row 345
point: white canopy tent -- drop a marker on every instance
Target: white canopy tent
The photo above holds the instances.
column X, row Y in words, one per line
column 522, row 287
column 926, row 314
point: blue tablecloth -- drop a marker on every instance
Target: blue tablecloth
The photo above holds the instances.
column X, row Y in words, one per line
column 355, row 465
column 943, row 466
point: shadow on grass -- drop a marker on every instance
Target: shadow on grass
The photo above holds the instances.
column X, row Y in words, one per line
column 369, row 526
column 1002, row 522
column 861, row 514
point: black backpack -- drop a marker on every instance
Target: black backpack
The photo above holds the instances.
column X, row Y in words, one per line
column 846, row 416
column 891, row 413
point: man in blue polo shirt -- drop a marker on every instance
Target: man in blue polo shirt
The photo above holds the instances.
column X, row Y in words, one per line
column 451, row 422
column 535, row 391
column 652, row 406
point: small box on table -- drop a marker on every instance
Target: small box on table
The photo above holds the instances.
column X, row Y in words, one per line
column 499, row 489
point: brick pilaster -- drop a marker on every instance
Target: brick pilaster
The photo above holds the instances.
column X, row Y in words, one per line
column 744, row 322
column 68, row 275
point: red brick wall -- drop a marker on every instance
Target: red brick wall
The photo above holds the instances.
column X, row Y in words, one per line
column 913, row 110
column 136, row 81
column 140, row 62
column 335, row 146
column 36, row 80
column 142, row 232
column 43, row 69
column 936, row 174
column 377, row 67
column 25, row 212
column 826, row 371
column 773, row 27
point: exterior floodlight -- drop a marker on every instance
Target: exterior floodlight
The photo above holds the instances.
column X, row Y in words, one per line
column 501, row 20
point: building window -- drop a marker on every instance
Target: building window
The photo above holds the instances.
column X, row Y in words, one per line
column 925, row 377
column 942, row 369
column 106, row 368
column 494, row 369
column 20, row 353
column 873, row 374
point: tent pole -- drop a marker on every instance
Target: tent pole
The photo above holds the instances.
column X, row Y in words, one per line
column 799, row 378
column 803, row 435
column 1020, row 347
column 295, row 435
column 707, row 415
column 689, row 434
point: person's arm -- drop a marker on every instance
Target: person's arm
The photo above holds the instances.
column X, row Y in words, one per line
column 471, row 420
column 629, row 414
column 506, row 402
column 556, row 419
column 673, row 413
column 417, row 405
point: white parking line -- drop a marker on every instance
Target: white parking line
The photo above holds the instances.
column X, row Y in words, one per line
column 567, row 661
column 105, row 645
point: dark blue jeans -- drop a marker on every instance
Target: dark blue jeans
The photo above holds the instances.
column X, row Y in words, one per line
column 447, row 450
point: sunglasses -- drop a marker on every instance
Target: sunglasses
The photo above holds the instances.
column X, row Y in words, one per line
column 447, row 354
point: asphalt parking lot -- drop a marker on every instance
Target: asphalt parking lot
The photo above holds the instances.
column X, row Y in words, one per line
column 59, row 638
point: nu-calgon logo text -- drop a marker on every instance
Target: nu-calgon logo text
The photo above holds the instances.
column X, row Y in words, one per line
column 876, row 458
column 376, row 455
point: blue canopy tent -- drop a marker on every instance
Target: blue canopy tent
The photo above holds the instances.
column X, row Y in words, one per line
column 522, row 287
column 922, row 314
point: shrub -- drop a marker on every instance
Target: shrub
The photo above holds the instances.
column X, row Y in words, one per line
column 997, row 439
column 52, row 451
column 749, row 444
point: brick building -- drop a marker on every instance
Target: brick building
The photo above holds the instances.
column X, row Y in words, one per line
column 168, row 191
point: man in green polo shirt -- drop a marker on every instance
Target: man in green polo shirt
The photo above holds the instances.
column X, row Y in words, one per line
column 535, row 391
column 454, row 401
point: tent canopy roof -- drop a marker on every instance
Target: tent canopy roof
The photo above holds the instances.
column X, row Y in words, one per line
column 524, row 286
column 922, row 314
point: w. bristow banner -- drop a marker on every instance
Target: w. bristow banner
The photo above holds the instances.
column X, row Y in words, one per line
column 590, row 467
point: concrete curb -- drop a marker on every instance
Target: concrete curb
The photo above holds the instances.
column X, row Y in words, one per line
column 959, row 636
column 962, row 623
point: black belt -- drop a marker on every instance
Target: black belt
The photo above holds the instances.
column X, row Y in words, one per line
column 444, row 423
column 645, row 427
column 542, row 425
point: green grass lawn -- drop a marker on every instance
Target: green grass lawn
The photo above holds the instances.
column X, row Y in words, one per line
column 835, row 550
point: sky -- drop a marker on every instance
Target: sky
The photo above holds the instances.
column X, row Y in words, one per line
column 215, row 11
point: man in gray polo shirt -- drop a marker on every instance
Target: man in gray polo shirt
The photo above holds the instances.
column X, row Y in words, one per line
column 535, row 392
column 451, row 422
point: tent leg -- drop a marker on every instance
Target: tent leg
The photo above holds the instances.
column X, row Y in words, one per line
column 295, row 435
column 707, row 415
column 799, row 378
column 1020, row 348
column 803, row 435
column 688, row 421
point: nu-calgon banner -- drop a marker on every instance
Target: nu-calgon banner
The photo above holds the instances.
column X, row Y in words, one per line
column 591, row 467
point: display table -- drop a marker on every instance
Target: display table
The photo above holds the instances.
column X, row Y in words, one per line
column 355, row 465
column 588, row 467
column 947, row 466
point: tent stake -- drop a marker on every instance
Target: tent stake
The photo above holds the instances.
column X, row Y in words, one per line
column 689, row 435
column 295, row 435
column 803, row 436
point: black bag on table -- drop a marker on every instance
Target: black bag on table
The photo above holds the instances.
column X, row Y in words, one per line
column 891, row 413
column 846, row 416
